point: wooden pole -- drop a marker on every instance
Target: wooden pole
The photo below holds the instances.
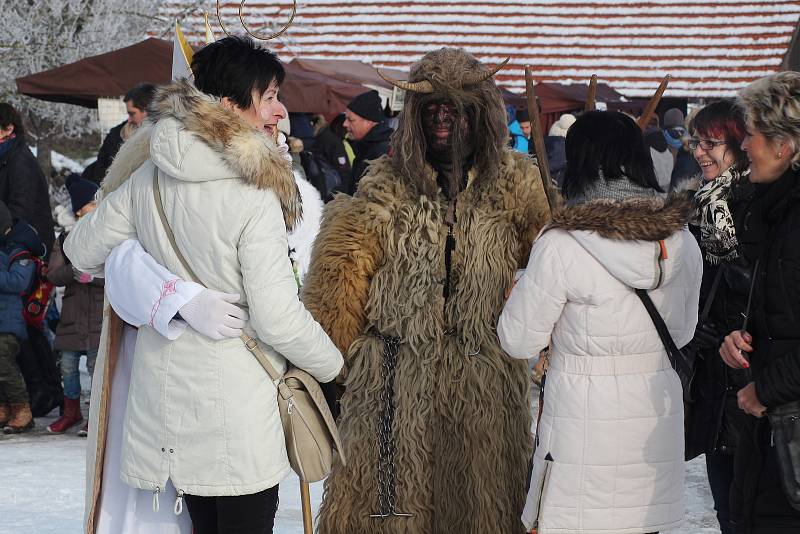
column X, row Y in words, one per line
column 591, row 96
column 644, row 120
column 305, row 500
column 537, row 136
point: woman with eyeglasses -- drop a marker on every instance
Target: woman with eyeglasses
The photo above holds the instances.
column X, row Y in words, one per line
column 713, row 419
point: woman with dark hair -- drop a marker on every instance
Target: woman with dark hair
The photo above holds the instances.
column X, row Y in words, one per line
column 202, row 413
column 763, row 500
column 713, row 423
column 23, row 186
column 609, row 453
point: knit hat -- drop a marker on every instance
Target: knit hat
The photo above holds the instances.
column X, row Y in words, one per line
column 522, row 115
column 6, row 221
column 673, row 118
column 368, row 106
column 559, row 129
column 81, row 191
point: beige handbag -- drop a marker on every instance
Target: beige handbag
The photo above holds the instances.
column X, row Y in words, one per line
column 308, row 425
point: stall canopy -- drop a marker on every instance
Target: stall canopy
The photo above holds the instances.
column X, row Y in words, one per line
column 108, row 75
column 112, row 74
column 350, row 71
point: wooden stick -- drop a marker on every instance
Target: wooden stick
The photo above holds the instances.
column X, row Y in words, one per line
column 591, row 96
column 537, row 136
column 305, row 501
column 644, row 120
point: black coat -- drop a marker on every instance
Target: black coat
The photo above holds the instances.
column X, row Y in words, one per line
column 555, row 147
column 24, row 190
column 331, row 147
column 108, row 151
column 714, row 420
column 772, row 233
column 372, row 146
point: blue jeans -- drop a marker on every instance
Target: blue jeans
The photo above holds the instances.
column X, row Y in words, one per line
column 70, row 373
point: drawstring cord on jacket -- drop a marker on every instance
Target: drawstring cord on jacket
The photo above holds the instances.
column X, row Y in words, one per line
column 178, row 503
column 155, row 498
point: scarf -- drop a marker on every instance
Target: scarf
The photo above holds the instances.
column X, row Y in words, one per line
column 717, row 231
column 7, row 145
column 612, row 189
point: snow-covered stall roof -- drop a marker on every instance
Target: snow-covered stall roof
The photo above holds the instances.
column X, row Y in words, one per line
column 711, row 48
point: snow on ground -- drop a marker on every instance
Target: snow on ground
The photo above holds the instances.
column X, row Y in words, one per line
column 43, row 487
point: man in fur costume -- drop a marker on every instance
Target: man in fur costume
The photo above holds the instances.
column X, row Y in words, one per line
column 408, row 278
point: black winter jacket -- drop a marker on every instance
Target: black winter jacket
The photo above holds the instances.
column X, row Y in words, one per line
column 714, row 420
column 24, row 190
column 108, row 151
column 772, row 234
column 331, row 147
column 372, row 146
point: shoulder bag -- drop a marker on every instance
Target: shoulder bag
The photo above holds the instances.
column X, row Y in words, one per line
column 308, row 426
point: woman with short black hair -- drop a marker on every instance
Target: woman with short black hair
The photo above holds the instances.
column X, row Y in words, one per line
column 202, row 412
column 609, row 453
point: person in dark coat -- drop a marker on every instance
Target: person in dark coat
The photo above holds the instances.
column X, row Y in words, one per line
column 18, row 242
column 81, row 312
column 23, row 187
column 555, row 147
column 770, row 348
column 330, row 145
column 136, row 102
column 368, row 132
column 714, row 419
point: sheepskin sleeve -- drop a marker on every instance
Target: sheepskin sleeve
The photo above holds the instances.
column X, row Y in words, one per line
column 528, row 202
column 345, row 256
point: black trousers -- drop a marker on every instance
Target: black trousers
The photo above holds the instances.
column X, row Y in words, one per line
column 243, row 514
column 719, row 467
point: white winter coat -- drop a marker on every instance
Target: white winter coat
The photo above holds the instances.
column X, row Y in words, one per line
column 609, row 457
column 204, row 413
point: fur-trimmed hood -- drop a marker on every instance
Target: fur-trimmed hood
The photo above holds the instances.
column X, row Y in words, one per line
column 191, row 137
column 630, row 237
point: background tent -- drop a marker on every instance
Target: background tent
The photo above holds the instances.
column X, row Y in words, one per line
column 112, row 74
column 107, row 75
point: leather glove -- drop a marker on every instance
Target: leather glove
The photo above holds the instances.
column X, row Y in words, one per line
column 213, row 314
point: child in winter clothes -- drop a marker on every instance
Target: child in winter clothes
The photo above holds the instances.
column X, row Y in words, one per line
column 81, row 312
column 18, row 240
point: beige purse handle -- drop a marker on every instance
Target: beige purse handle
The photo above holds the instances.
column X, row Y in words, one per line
column 249, row 342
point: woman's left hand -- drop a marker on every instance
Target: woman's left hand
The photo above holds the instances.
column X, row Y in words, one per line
column 748, row 401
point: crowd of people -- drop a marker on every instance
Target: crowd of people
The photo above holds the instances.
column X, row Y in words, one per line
column 437, row 269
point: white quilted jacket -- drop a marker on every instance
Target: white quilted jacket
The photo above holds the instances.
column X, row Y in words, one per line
column 610, row 442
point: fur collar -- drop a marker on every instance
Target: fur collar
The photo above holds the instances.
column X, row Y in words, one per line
column 249, row 153
column 646, row 219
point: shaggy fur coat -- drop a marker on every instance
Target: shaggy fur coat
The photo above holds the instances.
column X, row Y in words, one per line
column 462, row 427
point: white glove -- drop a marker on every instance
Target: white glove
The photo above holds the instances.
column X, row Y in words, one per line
column 214, row 315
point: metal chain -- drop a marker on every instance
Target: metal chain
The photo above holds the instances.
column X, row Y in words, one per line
column 387, row 488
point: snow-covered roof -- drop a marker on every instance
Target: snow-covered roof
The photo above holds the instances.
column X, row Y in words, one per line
column 711, row 48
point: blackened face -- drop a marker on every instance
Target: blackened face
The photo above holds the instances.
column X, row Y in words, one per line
column 439, row 121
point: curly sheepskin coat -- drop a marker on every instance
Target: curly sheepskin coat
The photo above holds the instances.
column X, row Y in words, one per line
column 462, row 427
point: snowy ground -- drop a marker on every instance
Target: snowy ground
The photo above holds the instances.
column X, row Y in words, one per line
column 42, row 487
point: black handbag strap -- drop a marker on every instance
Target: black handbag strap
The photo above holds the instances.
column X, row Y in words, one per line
column 712, row 294
column 676, row 357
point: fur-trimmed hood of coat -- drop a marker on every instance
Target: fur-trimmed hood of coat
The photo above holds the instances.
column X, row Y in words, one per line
column 636, row 239
column 229, row 148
